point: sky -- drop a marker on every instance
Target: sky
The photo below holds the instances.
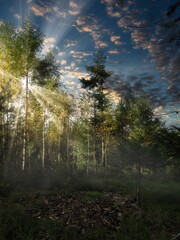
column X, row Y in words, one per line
column 139, row 38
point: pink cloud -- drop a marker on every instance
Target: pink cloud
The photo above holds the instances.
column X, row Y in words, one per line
column 39, row 10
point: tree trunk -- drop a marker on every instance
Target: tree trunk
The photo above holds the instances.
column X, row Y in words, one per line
column 102, row 152
column 138, row 183
column 95, row 138
column 106, row 151
column 4, row 146
column 67, row 145
column 59, row 149
column 43, row 141
column 25, row 140
column 88, row 152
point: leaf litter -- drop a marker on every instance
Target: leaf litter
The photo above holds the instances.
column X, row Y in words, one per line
column 82, row 210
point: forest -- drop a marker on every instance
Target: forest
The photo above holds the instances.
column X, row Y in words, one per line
column 83, row 167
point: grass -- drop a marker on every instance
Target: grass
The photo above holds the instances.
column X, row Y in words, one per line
column 89, row 196
column 159, row 221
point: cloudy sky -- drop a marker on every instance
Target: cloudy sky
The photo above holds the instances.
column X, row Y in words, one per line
column 140, row 39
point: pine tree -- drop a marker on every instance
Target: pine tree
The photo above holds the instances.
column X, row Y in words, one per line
column 95, row 84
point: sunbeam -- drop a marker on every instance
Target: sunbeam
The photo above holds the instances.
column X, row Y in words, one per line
column 89, row 119
column 54, row 103
column 18, row 103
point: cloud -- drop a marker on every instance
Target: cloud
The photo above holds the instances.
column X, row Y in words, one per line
column 134, row 85
column 70, row 82
column 112, row 8
column 140, row 38
column 80, row 21
column 49, row 44
column 59, row 12
column 115, row 51
column 40, row 10
column 114, row 96
column 73, row 64
column 70, row 67
column 157, row 40
column 101, row 44
column 49, row 40
column 118, row 43
column 112, row 13
column 63, row 62
column 158, row 109
column 89, row 24
column 74, row 75
column 129, row 22
column 117, row 85
column 18, row 16
column 108, row 2
column 60, row 9
column 70, row 43
column 67, row 68
column 85, row 28
column 79, row 55
column 73, row 12
column 60, row 54
column 114, row 38
column 75, row 7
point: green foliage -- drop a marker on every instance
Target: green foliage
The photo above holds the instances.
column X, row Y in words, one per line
column 18, row 48
column 16, row 224
column 46, row 73
column 7, row 45
column 28, row 45
column 90, row 196
column 98, row 76
column 97, row 71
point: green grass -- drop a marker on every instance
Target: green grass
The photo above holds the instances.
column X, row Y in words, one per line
column 159, row 221
column 16, row 224
column 89, row 196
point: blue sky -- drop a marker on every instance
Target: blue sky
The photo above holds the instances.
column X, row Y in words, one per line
column 142, row 49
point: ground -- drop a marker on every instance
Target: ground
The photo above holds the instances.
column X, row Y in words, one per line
column 57, row 214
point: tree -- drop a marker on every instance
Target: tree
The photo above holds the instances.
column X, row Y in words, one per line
column 95, row 84
column 144, row 128
column 28, row 45
column 5, row 117
column 98, row 73
column 167, row 144
column 120, row 2
column 9, row 84
column 22, row 64
column 137, row 129
column 46, row 72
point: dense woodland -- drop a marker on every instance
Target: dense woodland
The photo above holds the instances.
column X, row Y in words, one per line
column 45, row 131
column 44, row 128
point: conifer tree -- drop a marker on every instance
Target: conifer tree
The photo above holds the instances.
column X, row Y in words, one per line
column 95, row 84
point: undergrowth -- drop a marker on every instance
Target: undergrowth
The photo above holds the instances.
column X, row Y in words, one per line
column 159, row 221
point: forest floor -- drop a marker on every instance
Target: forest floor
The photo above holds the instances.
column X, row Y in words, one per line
column 96, row 215
column 86, row 210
